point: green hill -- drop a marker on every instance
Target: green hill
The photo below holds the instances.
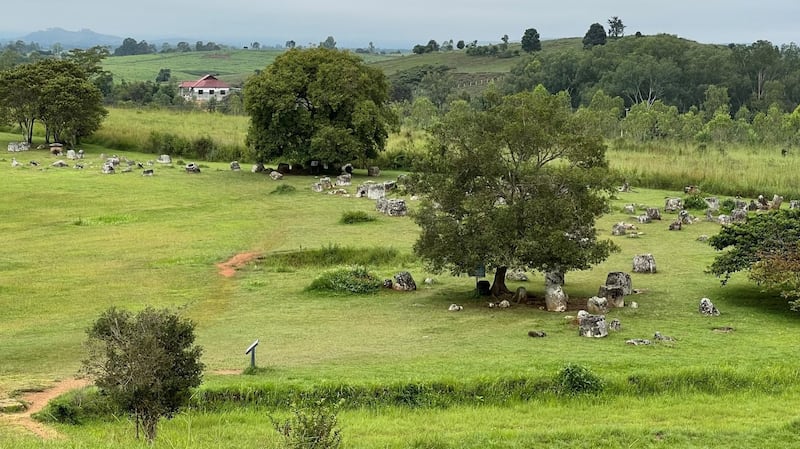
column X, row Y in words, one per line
column 234, row 66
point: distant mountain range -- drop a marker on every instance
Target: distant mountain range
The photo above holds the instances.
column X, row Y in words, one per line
column 84, row 39
column 69, row 39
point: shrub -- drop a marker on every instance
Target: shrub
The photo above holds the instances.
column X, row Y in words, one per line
column 347, row 280
column 727, row 205
column 695, row 202
column 284, row 189
column 355, row 216
column 575, row 379
column 77, row 407
column 313, row 427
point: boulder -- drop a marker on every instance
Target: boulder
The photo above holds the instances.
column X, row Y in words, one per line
column 738, row 216
column 191, row 167
column 653, row 213
column 659, row 337
column 776, row 202
column 284, row 168
column 344, row 179
column 615, row 325
column 275, row 175
column 504, row 304
column 347, row 168
column 593, row 326
column 258, row 168
column 673, row 204
column 638, row 342
column 643, row 219
column 371, row 190
column 521, row 295
column 537, row 334
column 597, row 305
column 373, row 171
column 517, row 275
column 317, row 187
column 235, row 166
column 15, row 147
column 108, row 169
column 621, row 279
column 59, row 163
column 794, row 204
column 713, row 203
column 707, row 308
column 404, row 282
column 392, row 207
column 164, row 159
column 621, row 228
column 555, row 299
column 629, row 209
column 455, row 308
column 644, row 263
column 71, row 154
column 614, row 295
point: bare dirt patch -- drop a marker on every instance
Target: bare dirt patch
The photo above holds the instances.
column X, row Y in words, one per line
column 229, row 267
column 37, row 401
column 227, row 372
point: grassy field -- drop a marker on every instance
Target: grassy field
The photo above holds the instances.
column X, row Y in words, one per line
column 234, row 66
column 77, row 241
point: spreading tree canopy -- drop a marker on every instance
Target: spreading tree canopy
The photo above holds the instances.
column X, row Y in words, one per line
column 766, row 245
column 519, row 183
column 146, row 363
column 318, row 104
column 58, row 93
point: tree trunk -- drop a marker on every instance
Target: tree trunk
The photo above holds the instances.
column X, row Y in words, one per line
column 499, row 284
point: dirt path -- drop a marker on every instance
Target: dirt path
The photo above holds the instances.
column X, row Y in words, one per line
column 37, row 401
column 229, row 267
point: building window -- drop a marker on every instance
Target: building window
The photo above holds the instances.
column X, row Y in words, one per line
column 222, row 92
column 200, row 91
column 211, row 91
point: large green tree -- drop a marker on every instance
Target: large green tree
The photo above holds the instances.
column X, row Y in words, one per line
column 318, row 104
column 518, row 183
column 57, row 93
column 530, row 41
column 147, row 363
column 596, row 35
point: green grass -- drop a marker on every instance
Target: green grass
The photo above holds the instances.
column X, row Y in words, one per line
column 231, row 66
column 77, row 241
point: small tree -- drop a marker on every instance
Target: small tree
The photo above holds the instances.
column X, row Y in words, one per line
column 460, row 45
column 530, row 41
column 146, row 363
column 595, row 36
column 615, row 27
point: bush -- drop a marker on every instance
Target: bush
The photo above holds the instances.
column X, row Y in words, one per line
column 347, row 280
column 313, row 427
column 575, row 379
column 284, row 189
column 695, row 202
column 77, row 407
column 727, row 205
column 356, row 216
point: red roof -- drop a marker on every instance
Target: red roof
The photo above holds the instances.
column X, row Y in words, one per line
column 206, row 82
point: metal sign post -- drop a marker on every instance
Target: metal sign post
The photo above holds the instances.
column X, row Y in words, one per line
column 252, row 351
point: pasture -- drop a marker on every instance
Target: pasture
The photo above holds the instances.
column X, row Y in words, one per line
column 76, row 242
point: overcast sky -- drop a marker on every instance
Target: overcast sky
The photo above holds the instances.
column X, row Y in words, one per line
column 355, row 23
